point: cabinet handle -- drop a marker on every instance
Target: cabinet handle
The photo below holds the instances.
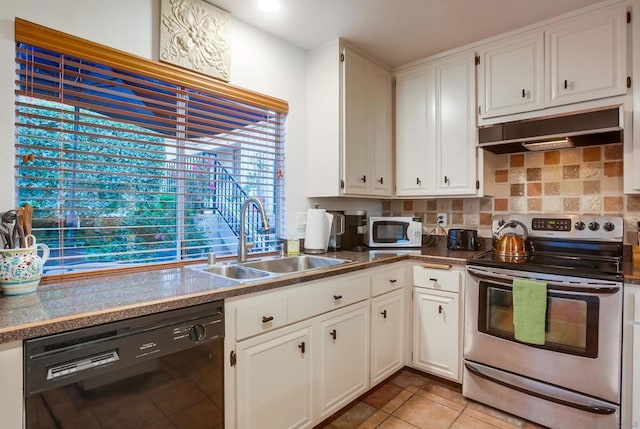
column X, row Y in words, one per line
column 337, row 297
column 384, row 314
column 440, row 309
column 333, row 334
column 301, row 346
column 364, row 179
column 523, row 93
column 266, row 319
column 446, row 180
column 566, row 84
column 418, row 181
column 392, row 280
column 381, row 180
column 433, row 280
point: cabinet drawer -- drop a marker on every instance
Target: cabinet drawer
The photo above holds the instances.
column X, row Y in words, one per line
column 432, row 278
column 260, row 314
column 326, row 295
column 384, row 281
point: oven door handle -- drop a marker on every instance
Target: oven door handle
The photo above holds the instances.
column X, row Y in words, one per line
column 540, row 390
column 507, row 280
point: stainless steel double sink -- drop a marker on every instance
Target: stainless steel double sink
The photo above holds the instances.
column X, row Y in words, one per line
column 263, row 269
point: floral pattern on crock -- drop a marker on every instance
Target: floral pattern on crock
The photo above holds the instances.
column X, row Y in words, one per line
column 20, row 267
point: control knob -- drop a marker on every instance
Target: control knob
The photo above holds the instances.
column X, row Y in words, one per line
column 594, row 226
column 579, row 225
column 197, row 332
column 609, row 226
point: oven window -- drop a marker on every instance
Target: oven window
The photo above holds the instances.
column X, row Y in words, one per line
column 390, row 232
column 182, row 390
column 571, row 323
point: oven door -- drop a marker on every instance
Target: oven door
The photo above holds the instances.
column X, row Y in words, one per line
column 583, row 327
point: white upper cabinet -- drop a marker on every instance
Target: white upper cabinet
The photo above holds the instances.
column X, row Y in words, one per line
column 587, row 57
column 367, row 127
column 415, row 134
column 511, row 75
column 577, row 59
column 455, row 125
column 349, row 124
column 435, row 128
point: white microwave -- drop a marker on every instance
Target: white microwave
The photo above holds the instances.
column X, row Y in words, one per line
column 393, row 232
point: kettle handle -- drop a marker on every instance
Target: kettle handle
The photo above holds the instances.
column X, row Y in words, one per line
column 513, row 224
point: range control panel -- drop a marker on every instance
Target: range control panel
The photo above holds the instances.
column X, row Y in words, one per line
column 582, row 227
column 547, row 224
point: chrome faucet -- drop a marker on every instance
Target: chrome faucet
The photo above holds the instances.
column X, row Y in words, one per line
column 243, row 246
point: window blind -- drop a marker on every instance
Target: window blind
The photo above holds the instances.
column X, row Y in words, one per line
column 127, row 168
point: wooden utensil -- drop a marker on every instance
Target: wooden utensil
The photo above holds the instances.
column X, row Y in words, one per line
column 27, row 218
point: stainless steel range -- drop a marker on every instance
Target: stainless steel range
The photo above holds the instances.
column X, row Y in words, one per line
column 572, row 380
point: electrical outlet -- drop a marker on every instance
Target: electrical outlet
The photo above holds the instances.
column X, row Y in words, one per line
column 301, row 219
column 441, row 220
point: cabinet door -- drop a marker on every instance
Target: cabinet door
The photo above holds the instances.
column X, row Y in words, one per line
column 379, row 104
column 387, row 335
column 455, row 126
column 511, row 75
column 355, row 122
column 415, row 139
column 587, row 57
column 342, row 368
column 436, row 333
column 272, row 370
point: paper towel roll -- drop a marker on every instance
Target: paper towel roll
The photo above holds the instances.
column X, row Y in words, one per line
column 316, row 233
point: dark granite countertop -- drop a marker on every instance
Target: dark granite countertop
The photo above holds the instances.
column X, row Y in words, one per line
column 79, row 303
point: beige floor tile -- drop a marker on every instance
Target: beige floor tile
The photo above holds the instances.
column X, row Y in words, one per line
column 397, row 402
column 354, row 416
column 468, row 422
column 426, row 414
column 406, row 378
column 452, row 393
column 441, row 400
column 374, row 421
column 381, row 395
column 493, row 416
column 395, row 423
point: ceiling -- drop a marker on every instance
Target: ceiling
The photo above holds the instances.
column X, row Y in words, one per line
column 396, row 32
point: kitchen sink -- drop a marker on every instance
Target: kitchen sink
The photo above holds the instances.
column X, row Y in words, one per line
column 264, row 268
column 294, row 264
column 236, row 272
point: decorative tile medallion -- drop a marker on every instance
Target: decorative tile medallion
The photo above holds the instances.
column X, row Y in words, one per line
column 195, row 35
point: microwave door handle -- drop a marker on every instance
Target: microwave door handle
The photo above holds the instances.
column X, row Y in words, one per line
column 540, row 390
column 507, row 280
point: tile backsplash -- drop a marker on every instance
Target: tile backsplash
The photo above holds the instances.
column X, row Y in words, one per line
column 586, row 180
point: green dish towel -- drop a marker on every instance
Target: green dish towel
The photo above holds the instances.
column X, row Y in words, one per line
column 529, row 310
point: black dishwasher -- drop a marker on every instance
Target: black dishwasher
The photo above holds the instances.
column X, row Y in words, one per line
column 158, row 371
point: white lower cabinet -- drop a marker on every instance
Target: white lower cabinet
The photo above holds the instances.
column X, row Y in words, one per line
column 437, row 325
column 343, row 357
column 11, row 389
column 300, row 353
column 630, row 408
column 297, row 354
column 387, row 334
column 276, row 369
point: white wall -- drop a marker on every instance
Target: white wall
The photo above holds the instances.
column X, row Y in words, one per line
column 259, row 62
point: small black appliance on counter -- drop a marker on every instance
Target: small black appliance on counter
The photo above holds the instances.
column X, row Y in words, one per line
column 462, row 239
column 355, row 228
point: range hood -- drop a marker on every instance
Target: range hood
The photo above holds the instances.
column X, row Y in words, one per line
column 595, row 127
